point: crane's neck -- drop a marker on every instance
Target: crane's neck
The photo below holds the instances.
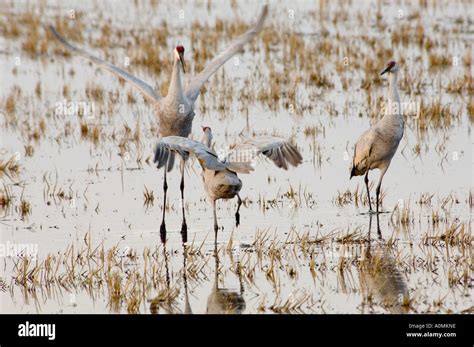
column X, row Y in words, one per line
column 394, row 105
column 207, row 140
column 175, row 90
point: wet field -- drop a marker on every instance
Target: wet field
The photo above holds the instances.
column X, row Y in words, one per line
column 81, row 201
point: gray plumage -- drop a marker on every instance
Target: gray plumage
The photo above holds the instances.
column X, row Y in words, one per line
column 220, row 176
column 376, row 147
column 277, row 150
column 184, row 147
column 175, row 111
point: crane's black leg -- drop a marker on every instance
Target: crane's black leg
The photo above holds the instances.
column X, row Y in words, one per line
column 379, row 185
column 378, row 227
column 370, row 226
column 237, row 213
column 163, row 225
column 184, row 226
column 366, row 180
column 377, row 194
column 216, row 227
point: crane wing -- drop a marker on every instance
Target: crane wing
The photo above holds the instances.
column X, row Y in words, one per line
column 193, row 88
column 363, row 151
column 185, row 147
column 281, row 152
column 144, row 87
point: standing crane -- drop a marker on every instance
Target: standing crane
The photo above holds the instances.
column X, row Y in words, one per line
column 376, row 147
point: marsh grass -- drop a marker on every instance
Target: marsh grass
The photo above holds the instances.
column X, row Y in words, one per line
column 343, row 198
column 95, row 92
column 456, row 233
column 437, row 115
column 6, row 197
column 132, row 279
column 10, row 168
column 24, row 208
column 470, row 109
column 10, row 104
column 358, row 197
column 439, row 60
column 402, row 215
column 148, row 197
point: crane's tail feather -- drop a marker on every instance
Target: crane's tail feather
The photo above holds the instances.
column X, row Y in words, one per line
column 166, row 156
column 357, row 171
column 171, row 158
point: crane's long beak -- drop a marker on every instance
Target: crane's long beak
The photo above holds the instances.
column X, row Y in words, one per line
column 387, row 69
column 183, row 64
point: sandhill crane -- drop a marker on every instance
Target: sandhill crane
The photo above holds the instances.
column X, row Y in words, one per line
column 376, row 147
column 175, row 111
column 220, row 176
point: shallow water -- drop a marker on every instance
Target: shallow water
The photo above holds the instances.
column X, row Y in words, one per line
column 306, row 264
